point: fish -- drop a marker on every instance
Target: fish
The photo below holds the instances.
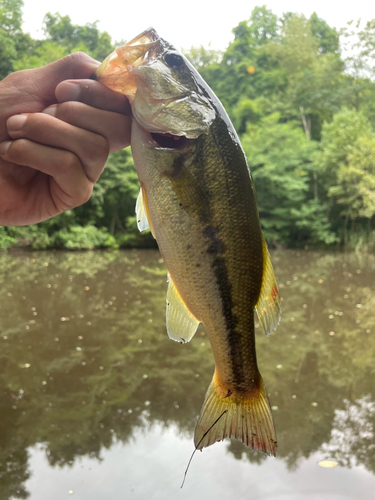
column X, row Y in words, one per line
column 198, row 198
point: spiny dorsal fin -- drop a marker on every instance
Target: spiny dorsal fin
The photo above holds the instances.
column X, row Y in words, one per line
column 143, row 213
column 181, row 324
column 268, row 306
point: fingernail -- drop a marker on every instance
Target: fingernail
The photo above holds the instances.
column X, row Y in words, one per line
column 68, row 91
column 4, row 146
column 16, row 122
column 51, row 110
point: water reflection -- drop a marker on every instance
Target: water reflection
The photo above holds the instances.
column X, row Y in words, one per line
column 85, row 362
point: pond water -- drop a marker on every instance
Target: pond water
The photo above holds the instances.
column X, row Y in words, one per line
column 96, row 402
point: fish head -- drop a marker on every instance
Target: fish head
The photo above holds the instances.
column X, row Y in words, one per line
column 166, row 93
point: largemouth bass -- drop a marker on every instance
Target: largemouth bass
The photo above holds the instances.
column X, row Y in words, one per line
column 198, row 198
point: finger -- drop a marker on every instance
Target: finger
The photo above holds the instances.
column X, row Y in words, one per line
column 40, row 84
column 115, row 127
column 12, row 174
column 74, row 66
column 94, row 94
column 69, row 185
column 92, row 149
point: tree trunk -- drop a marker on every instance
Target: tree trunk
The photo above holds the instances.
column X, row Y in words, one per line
column 113, row 221
column 345, row 232
column 315, row 177
column 306, row 122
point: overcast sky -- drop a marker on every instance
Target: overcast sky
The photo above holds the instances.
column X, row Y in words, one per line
column 184, row 23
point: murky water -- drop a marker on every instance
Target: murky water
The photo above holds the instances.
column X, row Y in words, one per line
column 96, row 402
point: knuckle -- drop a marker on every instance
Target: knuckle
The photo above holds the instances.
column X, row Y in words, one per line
column 86, row 193
column 30, row 128
column 33, row 121
column 77, row 65
column 99, row 152
column 67, row 110
column 75, row 196
column 13, row 79
column 71, row 162
column 123, row 132
column 78, row 56
column 83, row 194
column 103, row 144
column 19, row 149
column 75, row 59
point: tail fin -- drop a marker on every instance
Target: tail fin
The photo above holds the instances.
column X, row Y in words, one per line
column 248, row 419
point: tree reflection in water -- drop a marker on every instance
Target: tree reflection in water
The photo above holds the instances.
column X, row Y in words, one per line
column 85, row 360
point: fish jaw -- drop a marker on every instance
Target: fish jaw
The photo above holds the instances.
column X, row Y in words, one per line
column 115, row 72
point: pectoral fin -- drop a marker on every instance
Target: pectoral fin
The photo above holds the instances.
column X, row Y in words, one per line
column 143, row 213
column 181, row 324
column 268, row 306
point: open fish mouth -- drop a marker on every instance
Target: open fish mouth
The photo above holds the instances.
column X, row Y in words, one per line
column 147, row 37
column 115, row 72
column 169, row 141
column 134, row 53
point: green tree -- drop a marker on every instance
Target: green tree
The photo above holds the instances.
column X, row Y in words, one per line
column 313, row 73
column 280, row 159
column 278, row 77
column 201, row 57
column 41, row 54
column 243, row 67
column 328, row 37
column 355, row 189
column 290, row 65
column 60, row 29
column 63, row 38
column 346, row 165
column 12, row 40
column 360, row 68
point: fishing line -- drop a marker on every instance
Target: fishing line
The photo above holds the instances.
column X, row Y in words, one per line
column 204, row 435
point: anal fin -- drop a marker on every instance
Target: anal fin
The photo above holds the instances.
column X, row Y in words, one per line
column 268, row 306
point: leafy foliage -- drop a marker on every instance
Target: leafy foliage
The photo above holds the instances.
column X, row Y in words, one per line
column 12, row 41
column 279, row 156
column 346, row 165
column 304, row 114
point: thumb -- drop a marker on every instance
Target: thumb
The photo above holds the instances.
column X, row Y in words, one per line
column 32, row 90
column 74, row 66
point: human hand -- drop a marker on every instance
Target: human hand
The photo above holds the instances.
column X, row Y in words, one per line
column 52, row 154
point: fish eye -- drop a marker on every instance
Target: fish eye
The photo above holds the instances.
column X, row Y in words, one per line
column 174, row 61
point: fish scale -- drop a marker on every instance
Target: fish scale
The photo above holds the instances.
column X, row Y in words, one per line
column 198, row 197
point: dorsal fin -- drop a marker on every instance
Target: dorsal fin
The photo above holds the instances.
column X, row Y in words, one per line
column 268, row 306
column 181, row 324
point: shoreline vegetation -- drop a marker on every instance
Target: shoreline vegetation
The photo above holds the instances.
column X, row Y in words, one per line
column 300, row 94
